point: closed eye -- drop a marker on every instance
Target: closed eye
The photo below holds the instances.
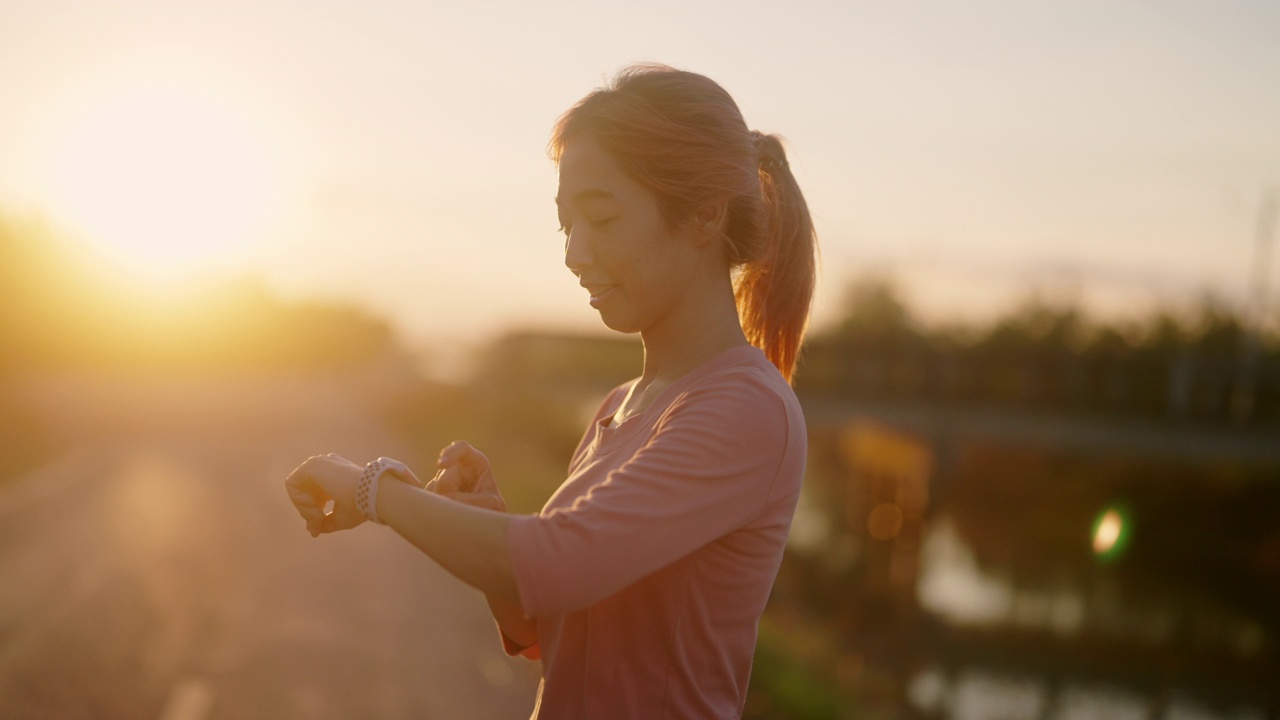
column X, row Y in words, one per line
column 597, row 225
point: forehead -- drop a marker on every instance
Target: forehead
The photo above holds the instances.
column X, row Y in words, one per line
column 587, row 171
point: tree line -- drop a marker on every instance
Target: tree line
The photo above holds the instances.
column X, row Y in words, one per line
column 58, row 309
column 1202, row 364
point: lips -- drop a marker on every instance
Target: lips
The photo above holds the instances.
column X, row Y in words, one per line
column 599, row 293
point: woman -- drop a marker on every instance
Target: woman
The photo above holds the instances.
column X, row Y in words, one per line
column 641, row 583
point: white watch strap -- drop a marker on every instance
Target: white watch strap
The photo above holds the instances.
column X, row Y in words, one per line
column 367, row 490
column 400, row 471
column 367, row 485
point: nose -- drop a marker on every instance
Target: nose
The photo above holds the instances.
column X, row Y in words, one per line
column 577, row 251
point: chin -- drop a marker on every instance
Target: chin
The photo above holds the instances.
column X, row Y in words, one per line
column 620, row 324
column 628, row 329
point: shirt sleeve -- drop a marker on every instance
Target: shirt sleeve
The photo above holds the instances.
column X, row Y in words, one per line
column 708, row 468
column 532, row 651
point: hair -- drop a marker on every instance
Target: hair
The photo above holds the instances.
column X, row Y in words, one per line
column 681, row 136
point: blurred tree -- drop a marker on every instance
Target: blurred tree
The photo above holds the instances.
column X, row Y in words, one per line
column 873, row 310
column 1216, row 328
column 37, row 291
column 1045, row 355
column 1040, row 325
column 58, row 310
column 26, row 270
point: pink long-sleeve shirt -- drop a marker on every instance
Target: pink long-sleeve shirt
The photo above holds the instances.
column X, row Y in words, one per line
column 647, row 571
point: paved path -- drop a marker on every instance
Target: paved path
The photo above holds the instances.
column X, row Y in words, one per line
column 158, row 571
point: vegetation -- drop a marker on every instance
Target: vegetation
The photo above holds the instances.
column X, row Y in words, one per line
column 57, row 312
column 1201, row 365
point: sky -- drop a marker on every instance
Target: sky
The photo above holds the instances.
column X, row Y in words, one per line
column 393, row 153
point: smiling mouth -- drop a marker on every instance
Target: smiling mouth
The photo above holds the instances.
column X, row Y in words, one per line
column 600, row 293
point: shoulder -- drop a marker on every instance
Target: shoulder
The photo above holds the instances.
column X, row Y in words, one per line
column 747, row 382
column 746, row 398
column 741, row 420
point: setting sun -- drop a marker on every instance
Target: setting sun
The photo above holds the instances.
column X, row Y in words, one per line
column 165, row 182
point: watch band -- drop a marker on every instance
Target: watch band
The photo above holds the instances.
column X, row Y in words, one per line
column 400, row 471
column 367, row 485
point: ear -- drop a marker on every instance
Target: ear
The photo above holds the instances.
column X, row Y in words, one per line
column 709, row 221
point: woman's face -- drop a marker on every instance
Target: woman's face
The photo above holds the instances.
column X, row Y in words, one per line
column 636, row 270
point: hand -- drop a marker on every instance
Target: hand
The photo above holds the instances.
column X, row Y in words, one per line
column 317, row 481
column 466, row 476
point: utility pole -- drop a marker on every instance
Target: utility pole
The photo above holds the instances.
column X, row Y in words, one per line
column 1255, row 320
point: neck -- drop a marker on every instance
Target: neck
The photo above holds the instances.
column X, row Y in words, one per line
column 685, row 340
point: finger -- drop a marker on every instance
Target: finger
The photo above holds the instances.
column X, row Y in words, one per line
column 474, row 461
column 434, row 482
column 336, row 458
column 341, row 518
column 304, row 491
column 453, row 451
column 300, row 479
column 314, row 521
column 449, row 480
column 310, row 514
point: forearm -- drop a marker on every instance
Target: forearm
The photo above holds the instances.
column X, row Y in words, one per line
column 469, row 542
column 521, row 630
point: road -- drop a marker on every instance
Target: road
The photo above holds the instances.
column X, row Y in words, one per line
column 157, row 571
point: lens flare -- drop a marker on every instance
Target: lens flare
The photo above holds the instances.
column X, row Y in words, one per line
column 1111, row 529
column 1108, row 531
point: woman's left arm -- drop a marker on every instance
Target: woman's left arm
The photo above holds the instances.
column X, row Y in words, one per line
column 467, row 541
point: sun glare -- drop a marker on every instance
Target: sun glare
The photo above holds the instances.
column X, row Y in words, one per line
column 163, row 181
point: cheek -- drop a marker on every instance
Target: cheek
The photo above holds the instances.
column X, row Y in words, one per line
column 641, row 255
column 662, row 278
column 624, row 256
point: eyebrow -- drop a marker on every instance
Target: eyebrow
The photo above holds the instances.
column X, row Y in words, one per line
column 589, row 194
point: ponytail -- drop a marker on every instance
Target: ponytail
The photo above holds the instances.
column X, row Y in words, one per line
column 774, row 291
column 682, row 136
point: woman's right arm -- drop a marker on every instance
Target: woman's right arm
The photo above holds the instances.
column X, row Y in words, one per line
column 466, row 476
column 519, row 633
